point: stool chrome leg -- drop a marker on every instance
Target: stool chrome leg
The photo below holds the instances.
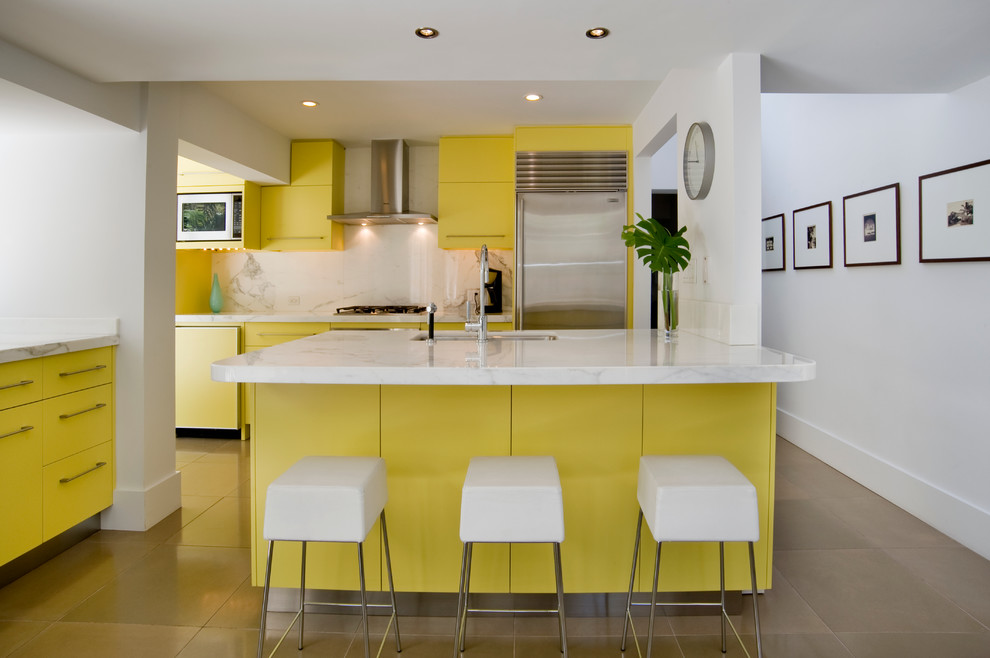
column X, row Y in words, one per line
column 560, row 599
column 364, row 601
column 302, row 595
column 721, row 588
column 264, row 598
column 756, row 607
column 460, row 601
column 653, row 602
column 632, row 581
column 391, row 587
column 467, row 592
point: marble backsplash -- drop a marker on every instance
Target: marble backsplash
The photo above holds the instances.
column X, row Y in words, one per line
column 379, row 265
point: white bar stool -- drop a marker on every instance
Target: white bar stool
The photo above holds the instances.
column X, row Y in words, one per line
column 695, row 498
column 510, row 500
column 327, row 499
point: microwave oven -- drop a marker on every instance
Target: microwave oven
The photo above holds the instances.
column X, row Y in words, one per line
column 203, row 217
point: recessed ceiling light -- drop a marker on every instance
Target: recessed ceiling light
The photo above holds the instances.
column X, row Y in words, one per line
column 533, row 97
column 310, row 103
column 597, row 33
column 427, row 33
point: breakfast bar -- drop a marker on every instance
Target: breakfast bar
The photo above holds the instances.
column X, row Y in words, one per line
column 596, row 400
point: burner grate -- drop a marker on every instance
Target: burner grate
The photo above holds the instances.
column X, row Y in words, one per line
column 386, row 309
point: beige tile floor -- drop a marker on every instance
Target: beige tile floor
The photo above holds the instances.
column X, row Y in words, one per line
column 854, row 576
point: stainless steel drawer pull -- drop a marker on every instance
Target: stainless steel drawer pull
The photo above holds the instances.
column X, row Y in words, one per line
column 79, row 372
column 476, row 235
column 99, row 405
column 88, row 470
column 23, row 382
column 272, row 333
column 297, row 237
column 26, row 428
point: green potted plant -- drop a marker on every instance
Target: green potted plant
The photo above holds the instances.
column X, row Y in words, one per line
column 662, row 252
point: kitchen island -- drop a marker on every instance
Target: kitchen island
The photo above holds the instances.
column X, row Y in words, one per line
column 595, row 400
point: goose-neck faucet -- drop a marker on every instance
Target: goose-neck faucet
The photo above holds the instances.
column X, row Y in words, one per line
column 481, row 326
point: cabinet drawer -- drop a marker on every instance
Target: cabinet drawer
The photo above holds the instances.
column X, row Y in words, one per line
column 77, row 421
column 266, row 334
column 76, row 488
column 20, row 480
column 20, row 383
column 74, row 371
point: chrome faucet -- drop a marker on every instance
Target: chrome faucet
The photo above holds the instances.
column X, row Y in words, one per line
column 481, row 326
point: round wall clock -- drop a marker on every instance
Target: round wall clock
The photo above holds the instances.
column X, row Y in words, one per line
column 699, row 160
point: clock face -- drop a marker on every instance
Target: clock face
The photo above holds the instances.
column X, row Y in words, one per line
column 699, row 160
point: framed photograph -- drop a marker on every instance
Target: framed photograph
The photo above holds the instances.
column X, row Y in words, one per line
column 871, row 227
column 774, row 248
column 811, row 232
column 955, row 214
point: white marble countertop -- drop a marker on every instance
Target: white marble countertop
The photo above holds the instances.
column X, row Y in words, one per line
column 574, row 358
column 412, row 318
column 29, row 338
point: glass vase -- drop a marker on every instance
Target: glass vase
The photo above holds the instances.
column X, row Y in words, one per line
column 216, row 297
column 668, row 302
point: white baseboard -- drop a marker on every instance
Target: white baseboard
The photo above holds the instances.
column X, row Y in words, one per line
column 141, row 509
column 960, row 520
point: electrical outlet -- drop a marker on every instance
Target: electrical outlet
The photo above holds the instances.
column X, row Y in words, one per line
column 293, row 300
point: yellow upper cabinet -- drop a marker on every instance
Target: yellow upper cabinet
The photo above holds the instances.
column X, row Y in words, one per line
column 476, row 160
column 476, row 194
column 318, row 163
column 294, row 217
column 573, row 138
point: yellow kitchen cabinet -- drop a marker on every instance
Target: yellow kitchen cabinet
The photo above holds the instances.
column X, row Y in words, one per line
column 250, row 216
column 597, row 446
column 20, row 477
column 487, row 159
column 201, row 402
column 74, row 371
column 317, row 162
column 302, row 420
column 266, row 334
column 295, row 219
column 20, row 382
column 573, row 138
column 731, row 420
column 472, row 214
column 56, row 445
column 476, row 193
column 77, row 421
column 428, row 436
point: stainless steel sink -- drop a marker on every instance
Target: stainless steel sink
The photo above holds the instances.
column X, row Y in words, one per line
column 473, row 337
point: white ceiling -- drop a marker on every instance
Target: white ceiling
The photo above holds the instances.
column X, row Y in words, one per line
column 374, row 78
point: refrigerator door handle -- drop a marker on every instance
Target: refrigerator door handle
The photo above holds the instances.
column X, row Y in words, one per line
column 520, row 259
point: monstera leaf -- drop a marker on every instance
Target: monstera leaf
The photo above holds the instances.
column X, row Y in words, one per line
column 656, row 247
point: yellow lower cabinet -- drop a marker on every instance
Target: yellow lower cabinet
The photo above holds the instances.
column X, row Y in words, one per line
column 77, row 487
column 594, row 433
column 429, row 434
column 200, row 401
column 20, row 382
column 76, row 421
column 266, row 334
column 20, row 480
column 64, row 373
column 737, row 422
column 298, row 420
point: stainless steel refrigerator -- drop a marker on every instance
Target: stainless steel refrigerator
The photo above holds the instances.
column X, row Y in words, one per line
column 571, row 261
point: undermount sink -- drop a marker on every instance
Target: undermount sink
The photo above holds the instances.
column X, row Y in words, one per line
column 491, row 336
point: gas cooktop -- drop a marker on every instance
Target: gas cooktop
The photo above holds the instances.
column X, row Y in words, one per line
column 380, row 310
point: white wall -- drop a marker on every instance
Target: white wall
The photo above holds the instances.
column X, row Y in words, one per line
column 900, row 400
column 720, row 292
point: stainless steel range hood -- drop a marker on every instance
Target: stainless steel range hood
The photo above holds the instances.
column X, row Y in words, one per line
column 389, row 188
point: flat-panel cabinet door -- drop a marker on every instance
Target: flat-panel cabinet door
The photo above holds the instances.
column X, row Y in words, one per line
column 200, row 401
